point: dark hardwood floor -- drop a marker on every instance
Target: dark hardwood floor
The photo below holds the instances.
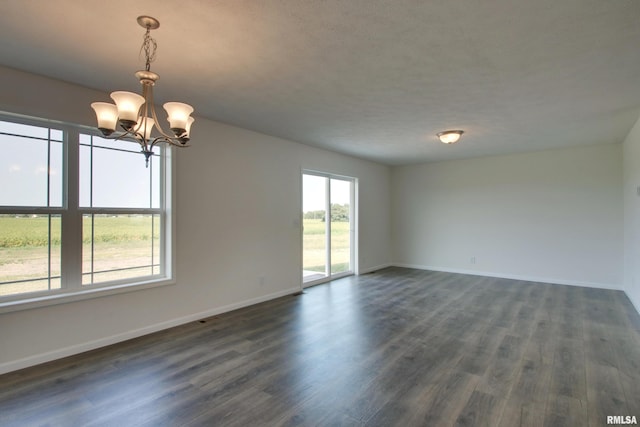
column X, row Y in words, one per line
column 399, row 347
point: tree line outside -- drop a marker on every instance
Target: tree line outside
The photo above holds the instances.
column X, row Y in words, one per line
column 339, row 213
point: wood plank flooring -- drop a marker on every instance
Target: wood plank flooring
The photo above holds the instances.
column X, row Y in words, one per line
column 399, row 347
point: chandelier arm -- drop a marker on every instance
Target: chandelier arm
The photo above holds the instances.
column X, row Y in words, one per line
column 170, row 141
column 120, row 135
column 123, row 135
column 178, row 143
column 160, row 139
column 150, row 101
column 139, row 130
column 143, row 143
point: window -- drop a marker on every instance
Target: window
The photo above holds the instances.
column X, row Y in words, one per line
column 78, row 212
column 30, row 224
column 121, row 211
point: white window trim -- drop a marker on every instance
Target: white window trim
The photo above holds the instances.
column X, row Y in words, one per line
column 72, row 288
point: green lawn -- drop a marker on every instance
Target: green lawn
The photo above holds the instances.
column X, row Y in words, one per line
column 315, row 245
column 119, row 242
column 28, row 232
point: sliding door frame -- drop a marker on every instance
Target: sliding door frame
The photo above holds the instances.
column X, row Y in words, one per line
column 352, row 226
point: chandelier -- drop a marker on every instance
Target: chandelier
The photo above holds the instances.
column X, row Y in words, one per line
column 136, row 116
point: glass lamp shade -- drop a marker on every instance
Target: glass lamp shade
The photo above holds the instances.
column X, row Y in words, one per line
column 450, row 136
column 178, row 116
column 189, row 123
column 145, row 126
column 107, row 115
column 128, row 104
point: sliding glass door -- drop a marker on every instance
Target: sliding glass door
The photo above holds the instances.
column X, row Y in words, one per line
column 328, row 226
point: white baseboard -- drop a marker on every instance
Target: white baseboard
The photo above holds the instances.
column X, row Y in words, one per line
column 37, row 359
column 376, row 268
column 514, row 277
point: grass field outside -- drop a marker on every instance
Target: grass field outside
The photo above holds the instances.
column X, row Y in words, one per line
column 314, row 244
column 120, row 242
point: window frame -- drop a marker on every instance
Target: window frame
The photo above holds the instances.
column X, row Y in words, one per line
column 72, row 288
column 353, row 227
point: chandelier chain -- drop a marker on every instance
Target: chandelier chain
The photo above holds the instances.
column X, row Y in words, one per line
column 149, row 47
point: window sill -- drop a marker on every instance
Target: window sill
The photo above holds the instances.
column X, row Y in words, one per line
column 64, row 297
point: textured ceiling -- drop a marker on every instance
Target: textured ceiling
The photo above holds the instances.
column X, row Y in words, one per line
column 375, row 79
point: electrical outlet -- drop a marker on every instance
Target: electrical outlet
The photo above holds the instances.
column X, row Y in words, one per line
column 261, row 280
column 473, row 260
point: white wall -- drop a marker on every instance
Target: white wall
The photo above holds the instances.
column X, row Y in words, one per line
column 631, row 152
column 238, row 220
column 553, row 216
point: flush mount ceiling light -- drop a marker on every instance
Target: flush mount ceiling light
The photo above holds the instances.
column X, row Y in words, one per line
column 136, row 115
column 450, row 136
